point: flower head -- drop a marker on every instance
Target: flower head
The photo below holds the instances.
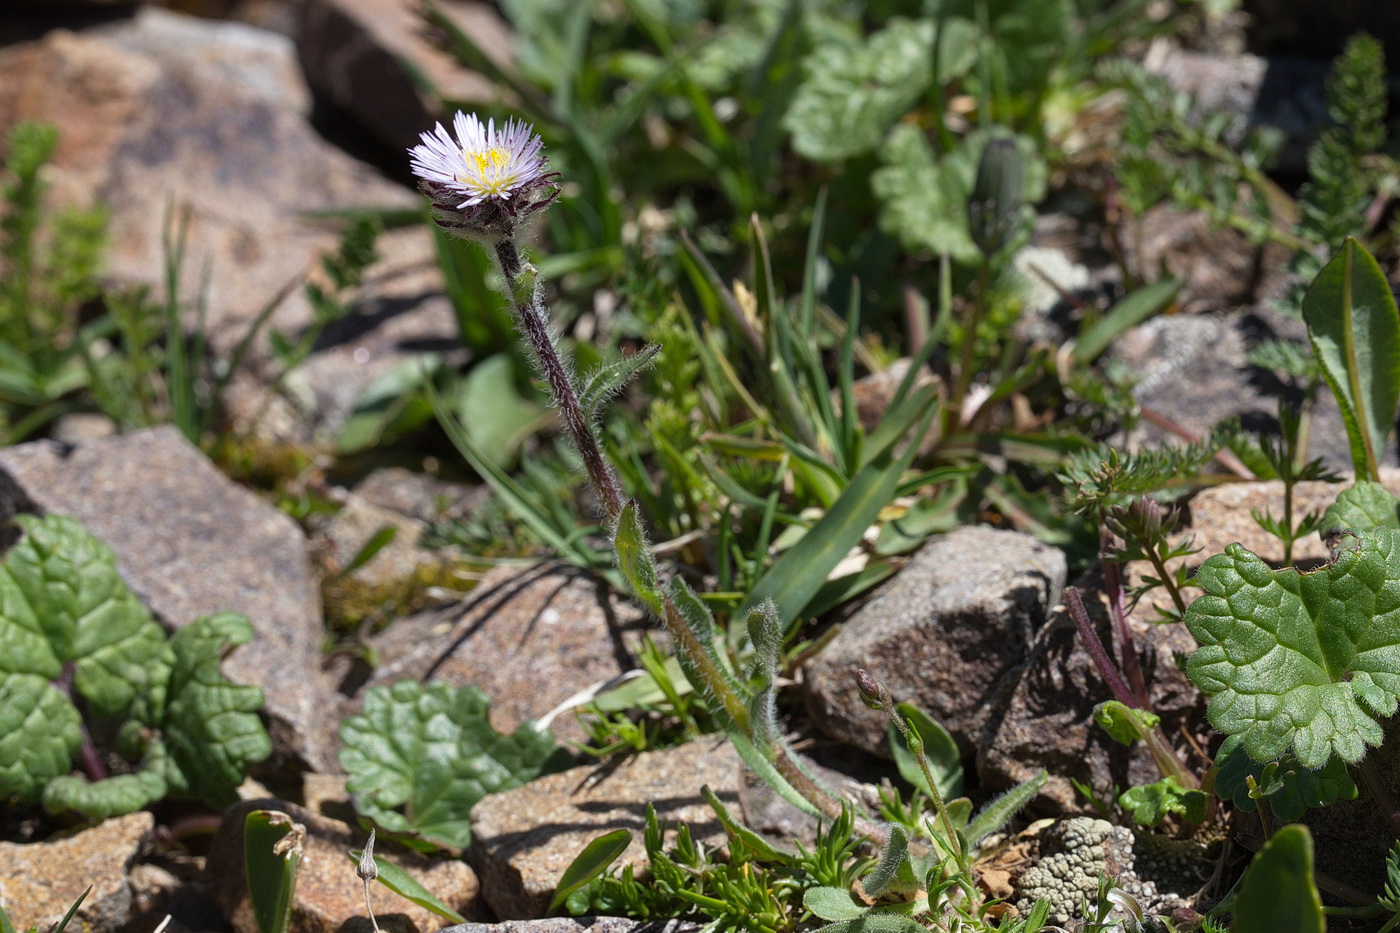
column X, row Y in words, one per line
column 483, row 181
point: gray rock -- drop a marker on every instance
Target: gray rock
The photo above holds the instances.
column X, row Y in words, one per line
column 417, row 495
column 1190, row 369
column 190, row 542
column 329, row 895
column 166, row 113
column 1285, row 94
column 576, row 925
column 531, row 638
column 371, row 57
column 40, row 880
column 525, row 838
column 947, row 634
column 1047, row 723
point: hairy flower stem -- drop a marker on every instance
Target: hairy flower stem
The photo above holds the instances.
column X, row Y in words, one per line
column 877, row 696
column 527, row 300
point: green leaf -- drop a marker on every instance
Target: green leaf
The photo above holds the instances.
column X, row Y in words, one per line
column 62, row 602
column 496, row 416
column 873, row 922
column 1302, row 661
column 999, row 811
column 610, row 378
column 1291, row 788
column 1361, row 507
column 590, row 863
column 1123, row 723
column 404, row 885
column 944, row 759
column 1355, row 332
column 797, row 576
column 1128, row 313
column 431, row 751
column 40, row 732
column 634, row 558
column 853, row 92
column 1151, row 803
column 390, row 406
column 831, row 903
column 1279, row 893
column 72, row 910
column 109, row 797
column 924, row 195
column 892, row 872
column 270, row 860
column 212, row 729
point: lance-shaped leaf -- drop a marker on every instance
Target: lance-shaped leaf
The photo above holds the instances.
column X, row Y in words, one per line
column 1301, row 661
column 1279, row 893
column 1355, row 332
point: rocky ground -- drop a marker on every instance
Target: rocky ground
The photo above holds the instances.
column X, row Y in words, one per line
column 250, row 129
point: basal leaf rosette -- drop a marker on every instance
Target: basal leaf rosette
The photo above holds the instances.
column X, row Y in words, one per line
column 1302, row 661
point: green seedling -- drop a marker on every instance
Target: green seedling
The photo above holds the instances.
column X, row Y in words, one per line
column 272, row 850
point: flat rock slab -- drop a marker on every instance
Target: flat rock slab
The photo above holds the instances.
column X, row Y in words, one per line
column 947, row 634
column 576, row 925
column 169, row 115
column 190, row 542
column 374, row 59
column 329, row 895
column 525, row 838
column 530, row 637
column 39, row 881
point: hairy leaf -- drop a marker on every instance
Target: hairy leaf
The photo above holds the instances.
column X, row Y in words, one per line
column 431, row 751
column 831, row 903
column 1308, row 661
column 1123, row 723
column 1292, row 789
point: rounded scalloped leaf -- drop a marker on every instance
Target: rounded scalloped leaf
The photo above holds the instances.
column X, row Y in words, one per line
column 1301, row 661
column 431, row 750
column 39, row 733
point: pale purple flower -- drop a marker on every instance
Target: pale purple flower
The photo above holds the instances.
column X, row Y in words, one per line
column 481, row 163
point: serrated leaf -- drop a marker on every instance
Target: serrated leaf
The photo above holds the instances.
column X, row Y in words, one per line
column 1297, row 789
column 109, row 797
column 1354, row 327
column 40, row 732
column 63, row 602
column 940, row 750
column 853, row 92
column 211, row 725
column 1123, row 723
column 431, row 750
column 830, row 903
column 1279, row 893
column 1307, row 662
column 1361, row 507
column 1151, row 803
column 590, row 863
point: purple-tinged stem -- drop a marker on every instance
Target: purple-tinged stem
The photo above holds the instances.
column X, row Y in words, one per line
column 533, row 321
column 1122, row 633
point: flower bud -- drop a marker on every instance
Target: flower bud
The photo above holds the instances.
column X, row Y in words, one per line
column 994, row 207
column 871, row 693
